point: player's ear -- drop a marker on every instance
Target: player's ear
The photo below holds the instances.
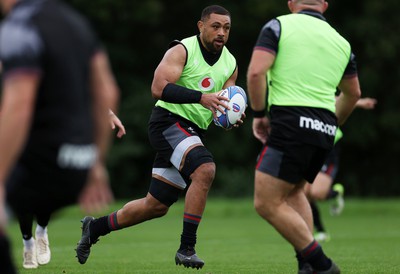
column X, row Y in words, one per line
column 200, row 25
column 290, row 5
column 325, row 7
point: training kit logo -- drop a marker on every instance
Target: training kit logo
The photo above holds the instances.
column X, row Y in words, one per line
column 317, row 125
column 206, row 83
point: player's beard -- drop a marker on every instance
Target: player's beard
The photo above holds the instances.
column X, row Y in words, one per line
column 214, row 46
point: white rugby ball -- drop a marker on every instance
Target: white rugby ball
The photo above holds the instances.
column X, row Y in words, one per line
column 237, row 105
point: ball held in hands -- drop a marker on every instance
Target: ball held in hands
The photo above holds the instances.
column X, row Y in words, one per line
column 237, row 104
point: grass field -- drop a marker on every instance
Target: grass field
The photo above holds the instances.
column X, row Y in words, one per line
column 232, row 239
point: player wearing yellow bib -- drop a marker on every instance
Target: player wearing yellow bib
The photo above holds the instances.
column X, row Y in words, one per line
column 306, row 60
column 186, row 83
column 199, row 75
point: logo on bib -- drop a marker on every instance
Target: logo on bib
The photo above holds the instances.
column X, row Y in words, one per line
column 206, row 84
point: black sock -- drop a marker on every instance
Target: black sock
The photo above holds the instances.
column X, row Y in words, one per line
column 43, row 219
column 189, row 234
column 315, row 256
column 25, row 224
column 316, row 217
column 300, row 260
column 103, row 225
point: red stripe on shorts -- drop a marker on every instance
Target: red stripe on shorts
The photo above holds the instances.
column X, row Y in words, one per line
column 261, row 157
column 182, row 129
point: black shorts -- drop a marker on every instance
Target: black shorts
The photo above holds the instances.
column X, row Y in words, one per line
column 293, row 151
column 292, row 163
column 172, row 137
column 37, row 183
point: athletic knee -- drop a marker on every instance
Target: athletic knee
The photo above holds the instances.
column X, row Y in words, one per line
column 198, row 162
column 263, row 208
column 204, row 173
column 259, row 207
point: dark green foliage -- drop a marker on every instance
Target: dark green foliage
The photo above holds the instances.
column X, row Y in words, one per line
column 136, row 35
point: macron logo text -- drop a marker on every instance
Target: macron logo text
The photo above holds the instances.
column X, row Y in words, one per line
column 314, row 124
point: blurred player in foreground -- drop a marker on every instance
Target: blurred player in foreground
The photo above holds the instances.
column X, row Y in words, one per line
column 58, row 88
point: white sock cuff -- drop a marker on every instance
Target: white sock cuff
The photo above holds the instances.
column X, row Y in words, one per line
column 41, row 230
column 28, row 243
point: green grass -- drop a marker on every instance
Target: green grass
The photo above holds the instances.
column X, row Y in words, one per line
column 231, row 239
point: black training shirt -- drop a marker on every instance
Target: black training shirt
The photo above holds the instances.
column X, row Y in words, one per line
column 48, row 38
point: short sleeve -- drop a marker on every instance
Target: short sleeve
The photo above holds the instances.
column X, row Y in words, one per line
column 268, row 38
column 351, row 69
column 20, row 47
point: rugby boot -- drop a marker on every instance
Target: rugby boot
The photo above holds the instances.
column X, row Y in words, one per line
column 188, row 258
column 85, row 243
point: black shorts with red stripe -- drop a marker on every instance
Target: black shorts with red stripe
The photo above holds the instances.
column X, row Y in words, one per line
column 298, row 144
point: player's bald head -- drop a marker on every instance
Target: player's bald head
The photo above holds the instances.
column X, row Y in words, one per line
column 309, row 2
column 298, row 5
